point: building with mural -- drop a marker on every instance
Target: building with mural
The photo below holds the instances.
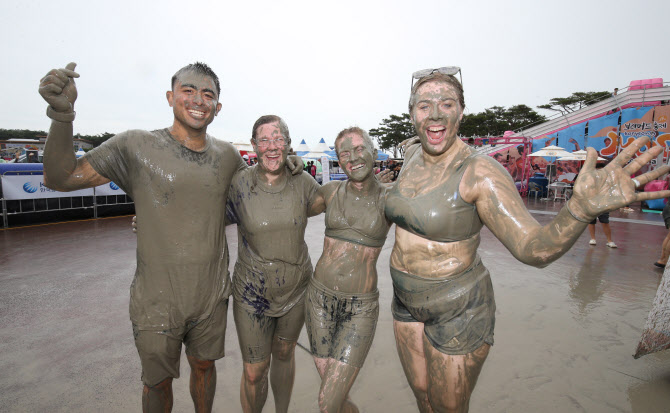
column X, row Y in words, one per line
column 608, row 126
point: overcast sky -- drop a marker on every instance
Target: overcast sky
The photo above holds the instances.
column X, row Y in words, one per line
column 322, row 66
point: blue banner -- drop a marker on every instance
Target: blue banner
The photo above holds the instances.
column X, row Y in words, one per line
column 573, row 138
column 603, row 135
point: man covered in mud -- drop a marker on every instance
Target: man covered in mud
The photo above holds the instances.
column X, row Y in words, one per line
column 179, row 178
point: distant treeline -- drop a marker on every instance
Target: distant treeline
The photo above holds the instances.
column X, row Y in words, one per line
column 6, row 134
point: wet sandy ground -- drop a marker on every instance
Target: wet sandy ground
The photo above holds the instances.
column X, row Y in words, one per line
column 564, row 338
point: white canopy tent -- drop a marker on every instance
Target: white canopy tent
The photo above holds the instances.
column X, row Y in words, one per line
column 302, row 147
column 321, row 146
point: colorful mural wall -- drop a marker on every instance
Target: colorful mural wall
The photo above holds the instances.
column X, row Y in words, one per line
column 608, row 135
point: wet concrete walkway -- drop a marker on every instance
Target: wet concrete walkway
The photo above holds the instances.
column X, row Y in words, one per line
column 564, row 335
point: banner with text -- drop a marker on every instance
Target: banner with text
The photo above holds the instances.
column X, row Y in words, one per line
column 604, row 136
column 32, row 187
column 662, row 129
column 636, row 123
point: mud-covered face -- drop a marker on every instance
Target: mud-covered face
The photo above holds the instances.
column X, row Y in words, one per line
column 356, row 158
column 270, row 147
column 194, row 100
column 436, row 116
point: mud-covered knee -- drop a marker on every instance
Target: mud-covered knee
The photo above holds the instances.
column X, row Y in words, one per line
column 197, row 364
column 451, row 402
column 256, row 373
column 159, row 387
column 283, row 349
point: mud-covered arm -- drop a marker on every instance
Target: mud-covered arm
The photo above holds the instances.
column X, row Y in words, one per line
column 596, row 191
column 231, row 215
column 62, row 170
column 502, row 210
column 321, row 198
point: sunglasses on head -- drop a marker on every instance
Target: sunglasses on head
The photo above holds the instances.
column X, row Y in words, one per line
column 446, row 70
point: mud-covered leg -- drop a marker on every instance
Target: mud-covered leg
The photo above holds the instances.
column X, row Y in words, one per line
column 282, row 372
column 203, row 383
column 336, row 381
column 409, row 343
column 158, row 398
column 665, row 250
column 452, row 378
column 254, row 386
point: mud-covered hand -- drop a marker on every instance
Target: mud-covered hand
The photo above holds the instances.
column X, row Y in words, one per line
column 598, row 191
column 134, row 224
column 58, row 88
column 385, row 176
column 294, row 164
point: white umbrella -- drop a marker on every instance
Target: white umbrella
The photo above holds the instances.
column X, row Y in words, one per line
column 551, row 152
column 577, row 156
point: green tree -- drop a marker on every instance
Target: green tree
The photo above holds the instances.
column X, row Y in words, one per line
column 96, row 140
column 6, row 134
column 393, row 131
column 495, row 120
column 576, row 101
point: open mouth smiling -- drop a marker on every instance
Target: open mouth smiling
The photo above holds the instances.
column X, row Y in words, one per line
column 196, row 113
column 435, row 133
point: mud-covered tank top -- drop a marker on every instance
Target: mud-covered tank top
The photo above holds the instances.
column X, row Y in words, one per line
column 439, row 215
column 367, row 227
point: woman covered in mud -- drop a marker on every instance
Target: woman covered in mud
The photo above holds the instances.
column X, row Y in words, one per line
column 342, row 299
column 273, row 266
column 443, row 308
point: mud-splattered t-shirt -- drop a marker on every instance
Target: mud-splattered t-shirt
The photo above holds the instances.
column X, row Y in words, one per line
column 180, row 197
column 273, row 264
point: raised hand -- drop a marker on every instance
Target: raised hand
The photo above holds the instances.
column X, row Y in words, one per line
column 294, row 164
column 385, row 176
column 600, row 190
column 58, row 88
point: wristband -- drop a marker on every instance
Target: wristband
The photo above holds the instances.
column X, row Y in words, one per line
column 60, row 116
column 567, row 206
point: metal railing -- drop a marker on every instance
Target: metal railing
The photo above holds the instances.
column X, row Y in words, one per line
column 616, row 102
column 40, row 205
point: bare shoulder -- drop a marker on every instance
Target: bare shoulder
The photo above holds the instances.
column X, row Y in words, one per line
column 328, row 190
column 483, row 174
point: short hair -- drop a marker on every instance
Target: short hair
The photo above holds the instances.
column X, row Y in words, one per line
column 360, row 132
column 265, row 119
column 202, row 69
column 440, row 77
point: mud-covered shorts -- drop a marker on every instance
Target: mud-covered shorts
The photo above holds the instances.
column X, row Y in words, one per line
column 160, row 351
column 340, row 325
column 458, row 312
column 255, row 331
column 265, row 306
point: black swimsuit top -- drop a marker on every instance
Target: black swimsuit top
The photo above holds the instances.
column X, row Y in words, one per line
column 440, row 215
column 367, row 227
